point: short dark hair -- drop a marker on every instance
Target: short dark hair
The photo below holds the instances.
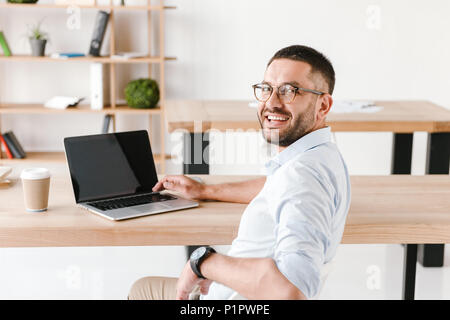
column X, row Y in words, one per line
column 318, row 62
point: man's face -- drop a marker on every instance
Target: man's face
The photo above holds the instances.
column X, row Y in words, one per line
column 284, row 123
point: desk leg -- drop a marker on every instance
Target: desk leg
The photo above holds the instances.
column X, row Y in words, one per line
column 402, row 153
column 195, row 160
column 430, row 255
column 195, row 153
column 438, row 157
column 409, row 271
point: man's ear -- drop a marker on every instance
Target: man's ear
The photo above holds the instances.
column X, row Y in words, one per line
column 326, row 101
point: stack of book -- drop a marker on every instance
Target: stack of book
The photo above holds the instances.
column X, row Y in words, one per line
column 11, row 146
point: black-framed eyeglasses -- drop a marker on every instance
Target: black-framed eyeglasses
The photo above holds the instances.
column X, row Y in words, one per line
column 286, row 92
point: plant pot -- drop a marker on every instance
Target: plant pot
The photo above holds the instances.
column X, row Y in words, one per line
column 38, row 47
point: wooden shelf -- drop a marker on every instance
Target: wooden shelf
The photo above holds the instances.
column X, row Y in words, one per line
column 112, row 63
column 29, row 58
column 23, row 108
column 36, row 157
column 99, row 7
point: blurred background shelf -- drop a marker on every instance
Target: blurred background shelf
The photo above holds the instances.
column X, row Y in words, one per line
column 64, row 6
column 155, row 57
column 50, row 156
column 90, row 59
column 24, row 108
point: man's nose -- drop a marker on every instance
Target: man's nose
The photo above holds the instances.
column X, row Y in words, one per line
column 274, row 101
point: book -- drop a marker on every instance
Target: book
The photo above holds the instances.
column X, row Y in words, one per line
column 12, row 147
column 101, row 22
column 5, row 146
column 4, row 45
column 128, row 55
column 10, row 135
column 62, row 102
column 106, row 121
column 66, row 55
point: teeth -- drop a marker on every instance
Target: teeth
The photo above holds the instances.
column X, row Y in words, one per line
column 276, row 118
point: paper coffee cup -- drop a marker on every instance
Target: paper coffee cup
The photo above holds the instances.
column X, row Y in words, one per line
column 36, row 185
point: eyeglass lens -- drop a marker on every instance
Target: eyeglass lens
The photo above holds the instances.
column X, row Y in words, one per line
column 286, row 93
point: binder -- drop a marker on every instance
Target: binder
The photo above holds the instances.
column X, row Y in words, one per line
column 96, row 75
column 106, row 121
column 101, row 21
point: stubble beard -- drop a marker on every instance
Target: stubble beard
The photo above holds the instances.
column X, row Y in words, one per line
column 302, row 126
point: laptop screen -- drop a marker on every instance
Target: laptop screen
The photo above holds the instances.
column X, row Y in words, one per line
column 109, row 165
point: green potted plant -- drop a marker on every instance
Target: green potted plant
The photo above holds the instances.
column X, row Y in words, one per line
column 38, row 39
column 142, row 93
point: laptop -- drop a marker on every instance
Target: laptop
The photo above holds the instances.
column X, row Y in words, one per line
column 113, row 175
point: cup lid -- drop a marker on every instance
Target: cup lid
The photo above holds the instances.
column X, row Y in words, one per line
column 35, row 173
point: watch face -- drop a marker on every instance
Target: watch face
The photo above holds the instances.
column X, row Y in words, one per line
column 198, row 253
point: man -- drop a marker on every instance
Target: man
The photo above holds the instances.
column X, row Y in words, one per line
column 296, row 215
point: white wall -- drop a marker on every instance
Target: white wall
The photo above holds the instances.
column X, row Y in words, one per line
column 222, row 47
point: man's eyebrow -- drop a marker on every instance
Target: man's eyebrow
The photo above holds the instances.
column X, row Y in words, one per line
column 293, row 83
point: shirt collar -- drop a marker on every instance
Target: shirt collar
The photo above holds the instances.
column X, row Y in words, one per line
column 306, row 142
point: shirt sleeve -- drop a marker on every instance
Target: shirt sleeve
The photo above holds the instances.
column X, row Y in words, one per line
column 303, row 219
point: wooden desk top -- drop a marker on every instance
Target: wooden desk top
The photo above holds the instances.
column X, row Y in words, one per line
column 386, row 209
column 396, row 116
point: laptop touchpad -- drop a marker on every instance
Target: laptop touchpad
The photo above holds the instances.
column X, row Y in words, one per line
column 149, row 207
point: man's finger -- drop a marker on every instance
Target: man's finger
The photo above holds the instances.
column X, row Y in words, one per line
column 169, row 185
column 158, row 186
column 204, row 286
column 182, row 295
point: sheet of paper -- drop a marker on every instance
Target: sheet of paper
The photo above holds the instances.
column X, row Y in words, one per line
column 344, row 106
column 349, row 106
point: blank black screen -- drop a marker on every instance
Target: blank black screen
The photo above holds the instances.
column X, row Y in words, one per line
column 108, row 165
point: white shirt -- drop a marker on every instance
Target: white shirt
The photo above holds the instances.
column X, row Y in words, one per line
column 298, row 217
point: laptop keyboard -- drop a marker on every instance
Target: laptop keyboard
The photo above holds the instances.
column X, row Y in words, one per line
column 130, row 201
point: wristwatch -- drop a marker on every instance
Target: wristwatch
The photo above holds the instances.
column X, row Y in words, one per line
column 197, row 257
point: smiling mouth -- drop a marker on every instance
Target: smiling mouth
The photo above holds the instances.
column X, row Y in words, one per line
column 277, row 118
column 275, row 121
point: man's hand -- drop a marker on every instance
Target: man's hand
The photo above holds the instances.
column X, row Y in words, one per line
column 187, row 187
column 187, row 282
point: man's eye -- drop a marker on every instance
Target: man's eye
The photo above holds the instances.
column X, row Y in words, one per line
column 265, row 89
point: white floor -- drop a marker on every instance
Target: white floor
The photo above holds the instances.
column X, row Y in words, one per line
column 360, row 272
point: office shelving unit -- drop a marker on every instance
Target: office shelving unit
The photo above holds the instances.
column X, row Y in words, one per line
column 113, row 109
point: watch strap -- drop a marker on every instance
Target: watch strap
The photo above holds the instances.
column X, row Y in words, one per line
column 195, row 263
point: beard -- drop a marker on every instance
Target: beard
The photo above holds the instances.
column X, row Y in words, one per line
column 297, row 128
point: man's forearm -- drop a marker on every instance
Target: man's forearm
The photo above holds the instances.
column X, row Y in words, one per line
column 241, row 192
column 253, row 278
